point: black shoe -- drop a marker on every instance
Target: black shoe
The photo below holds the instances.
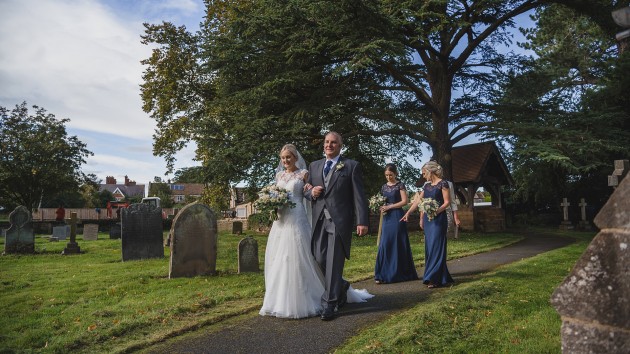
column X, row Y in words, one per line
column 344, row 295
column 328, row 313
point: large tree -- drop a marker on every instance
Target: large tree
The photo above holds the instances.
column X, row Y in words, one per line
column 38, row 159
column 383, row 73
column 564, row 113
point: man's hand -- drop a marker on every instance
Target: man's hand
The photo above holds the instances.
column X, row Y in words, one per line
column 362, row 230
column 317, row 191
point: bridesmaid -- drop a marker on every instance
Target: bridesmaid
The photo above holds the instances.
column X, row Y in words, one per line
column 394, row 262
column 436, row 272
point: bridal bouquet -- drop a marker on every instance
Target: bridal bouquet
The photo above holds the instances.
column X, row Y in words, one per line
column 272, row 198
column 429, row 206
column 376, row 202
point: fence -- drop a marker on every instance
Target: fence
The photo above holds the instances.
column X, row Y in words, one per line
column 49, row 214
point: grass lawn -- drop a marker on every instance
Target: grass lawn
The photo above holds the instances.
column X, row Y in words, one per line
column 504, row 311
column 94, row 302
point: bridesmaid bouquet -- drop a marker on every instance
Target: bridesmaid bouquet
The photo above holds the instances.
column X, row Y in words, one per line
column 376, row 202
column 430, row 207
column 271, row 198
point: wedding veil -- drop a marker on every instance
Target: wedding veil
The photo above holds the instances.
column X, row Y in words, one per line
column 301, row 165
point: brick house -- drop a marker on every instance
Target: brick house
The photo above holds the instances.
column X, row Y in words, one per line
column 179, row 191
column 122, row 191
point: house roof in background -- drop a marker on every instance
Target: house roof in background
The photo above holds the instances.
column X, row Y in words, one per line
column 128, row 191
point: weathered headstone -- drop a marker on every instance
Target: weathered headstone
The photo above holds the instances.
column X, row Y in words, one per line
column 141, row 232
column 61, row 232
column 115, row 231
column 248, row 255
column 193, row 242
column 584, row 224
column 621, row 169
column 237, row 227
column 72, row 247
column 19, row 237
column 90, row 232
column 594, row 299
column 566, row 223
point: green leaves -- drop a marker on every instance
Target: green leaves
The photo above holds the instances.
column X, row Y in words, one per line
column 38, row 160
column 263, row 73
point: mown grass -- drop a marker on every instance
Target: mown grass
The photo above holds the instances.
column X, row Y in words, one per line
column 505, row 311
column 94, row 302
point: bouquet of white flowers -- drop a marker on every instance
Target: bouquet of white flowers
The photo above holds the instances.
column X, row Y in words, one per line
column 271, row 198
column 429, row 206
column 376, row 202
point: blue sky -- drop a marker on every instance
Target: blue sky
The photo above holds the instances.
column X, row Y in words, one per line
column 80, row 59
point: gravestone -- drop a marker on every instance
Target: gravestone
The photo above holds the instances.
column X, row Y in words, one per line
column 248, row 255
column 565, row 224
column 621, row 169
column 237, row 227
column 141, row 232
column 594, row 299
column 72, row 247
column 584, row 224
column 19, row 237
column 90, row 232
column 115, row 231
column 61, row 232
column 193, row 242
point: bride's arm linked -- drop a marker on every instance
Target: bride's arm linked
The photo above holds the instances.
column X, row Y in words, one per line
column 307, row 186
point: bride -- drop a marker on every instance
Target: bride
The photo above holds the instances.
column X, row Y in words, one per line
column 294, row 283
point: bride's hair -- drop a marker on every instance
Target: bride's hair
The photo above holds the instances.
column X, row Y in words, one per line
column 292, row 149
column 300, row 163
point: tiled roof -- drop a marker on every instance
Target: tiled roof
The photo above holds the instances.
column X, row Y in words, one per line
column 193, row 188
column 128, row 191
column 472, row 162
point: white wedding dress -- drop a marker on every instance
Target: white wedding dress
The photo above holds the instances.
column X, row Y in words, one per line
column 293, row 280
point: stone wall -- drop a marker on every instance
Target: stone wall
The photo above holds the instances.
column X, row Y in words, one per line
column 226, row 224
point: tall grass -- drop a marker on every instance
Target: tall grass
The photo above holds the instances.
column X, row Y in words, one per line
column 94, row 302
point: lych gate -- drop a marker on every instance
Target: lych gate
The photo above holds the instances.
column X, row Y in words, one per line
column 480, row 166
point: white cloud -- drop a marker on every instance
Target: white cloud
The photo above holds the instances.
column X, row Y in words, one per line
column 80, row 59
column 76, row 59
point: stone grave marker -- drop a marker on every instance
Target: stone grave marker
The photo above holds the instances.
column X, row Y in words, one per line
column 584, row 224
column 594, row 299
column 141, row 232
column 193, row 242
column 248, row 255
column 115, row 231
column 61, row 232
column 566, row 223
column 90, row 232
column 19, row 237
column 621, row 169
column 72, row 247
column 237, row 227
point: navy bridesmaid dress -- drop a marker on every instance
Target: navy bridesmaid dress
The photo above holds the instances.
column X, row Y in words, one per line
column 394, row 262
column 435, row 270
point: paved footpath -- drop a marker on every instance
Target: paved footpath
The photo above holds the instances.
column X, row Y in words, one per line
column 260, row 334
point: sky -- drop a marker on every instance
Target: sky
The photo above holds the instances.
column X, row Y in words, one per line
column 80, row 59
